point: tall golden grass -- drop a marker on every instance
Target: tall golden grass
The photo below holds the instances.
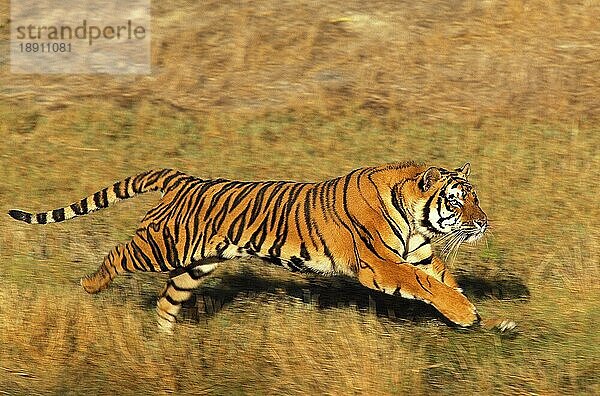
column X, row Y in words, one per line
column 292, row 90
column 537, row 267
column 460, row 61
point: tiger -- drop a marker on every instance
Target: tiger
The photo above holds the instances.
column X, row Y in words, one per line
column 375, row 224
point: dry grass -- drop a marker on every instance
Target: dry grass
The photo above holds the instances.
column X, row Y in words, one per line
column 535, row 181
column 289, row 90
column 461, row 61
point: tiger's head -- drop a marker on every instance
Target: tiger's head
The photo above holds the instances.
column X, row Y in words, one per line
column 449, row 207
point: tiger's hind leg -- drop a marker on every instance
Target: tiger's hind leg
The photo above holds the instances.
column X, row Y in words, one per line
column 114, row 263
column 151, row 249
column 135, row 255
column 179, row 288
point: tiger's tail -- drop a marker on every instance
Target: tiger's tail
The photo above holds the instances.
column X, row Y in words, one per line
column 153, row 180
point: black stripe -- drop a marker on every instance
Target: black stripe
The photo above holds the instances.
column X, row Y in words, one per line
column 76, row 208
column 162, row 210
column 315, row 192
column 20, row 215
column 123, row 260
column 131, row 258
column 425, row 242
column 388, row 246
column 398, row 206
column 174, row 285
column 109, row 261
column 195, row 234
column 104, row 193
column 426, row 223
column 261, row 233
column 425, row 261
column 119, row 191
column 277, row 204
column 153, row 177
column 58, row 214
column 140, row 256
column 126, row 183
column 158, row 257
column 41, row 218
column 167, row 181
column 84, row 206
column 341, row 222
column 308, row 221
column 233, row 233
column 395, row 228
column 226, row 207
column 243, row 194
column 297, row 222
column 323, row 199
column 256, row 208
column 376, row 285
column 171, row 300
column 171, row 248
column 248, row 248
column 195, row 200
column 137, row 182
column 182, row 221
column 207, row 225
column 364, row 265
column 221, row 216
column 297, row 264
column 391, row 222
column 303, row 252
column 216, row 197
column 284, row 217
column 363, row 233
column 421, row 284
column 327, row 253
column 99, row 199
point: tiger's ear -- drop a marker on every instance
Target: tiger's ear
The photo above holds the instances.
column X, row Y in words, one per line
column 465, row 171
column 430, row 176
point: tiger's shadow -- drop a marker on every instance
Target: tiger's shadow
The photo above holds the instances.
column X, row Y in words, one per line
column 337, row 292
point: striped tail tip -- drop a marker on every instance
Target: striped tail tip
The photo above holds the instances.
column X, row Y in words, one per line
column 20, row 215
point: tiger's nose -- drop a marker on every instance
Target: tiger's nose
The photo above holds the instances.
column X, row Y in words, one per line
column 481, row 223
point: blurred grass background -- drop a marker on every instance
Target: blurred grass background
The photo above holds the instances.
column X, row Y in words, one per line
column 305, row 91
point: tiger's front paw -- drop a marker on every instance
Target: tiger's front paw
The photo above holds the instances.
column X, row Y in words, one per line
column 461, row 312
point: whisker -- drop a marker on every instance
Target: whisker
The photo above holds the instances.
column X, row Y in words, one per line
column 451, row 257
column 445, row 236
column 452, row 244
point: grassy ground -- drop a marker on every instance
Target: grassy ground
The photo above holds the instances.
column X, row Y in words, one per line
column 535, row 181
column 308, row 95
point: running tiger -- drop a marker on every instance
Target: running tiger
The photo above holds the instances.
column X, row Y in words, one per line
column 375, row 224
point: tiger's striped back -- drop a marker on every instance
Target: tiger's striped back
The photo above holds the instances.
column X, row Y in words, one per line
column 375, row 223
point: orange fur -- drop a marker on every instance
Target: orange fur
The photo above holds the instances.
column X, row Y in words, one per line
column 375, row 223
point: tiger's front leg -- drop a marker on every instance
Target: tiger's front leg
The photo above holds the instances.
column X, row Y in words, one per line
column 438, row 269
column 408, row 281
